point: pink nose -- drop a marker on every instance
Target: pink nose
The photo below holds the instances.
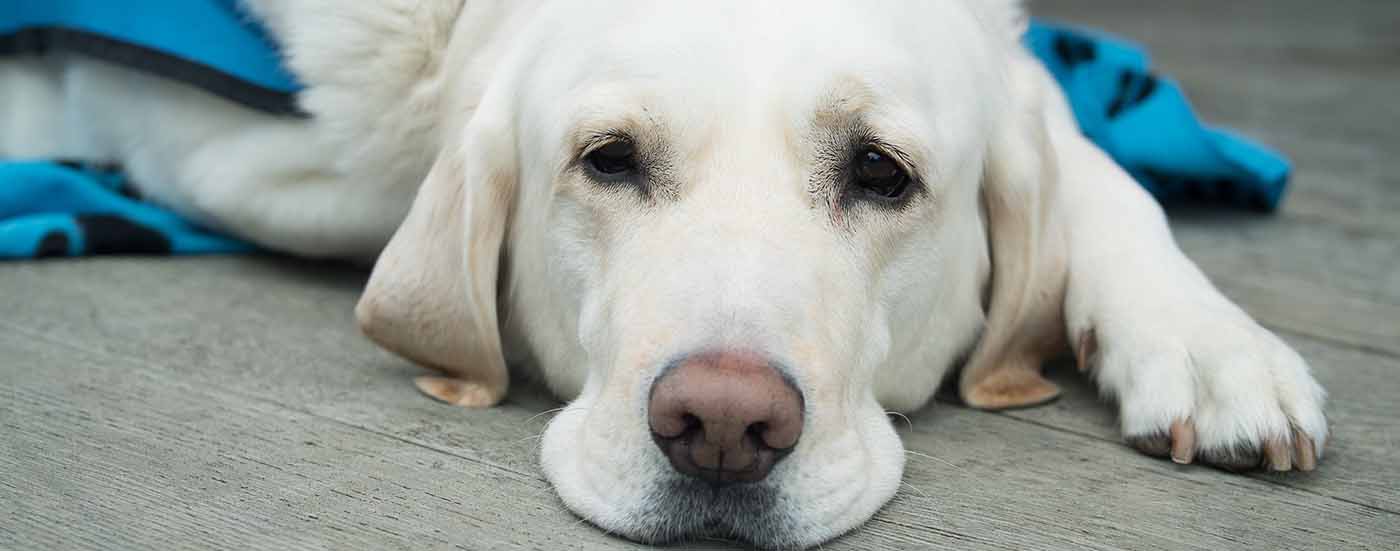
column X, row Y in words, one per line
column 725, row 417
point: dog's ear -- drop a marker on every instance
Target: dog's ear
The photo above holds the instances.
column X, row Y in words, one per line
column 1023, row 321
column 432, row 296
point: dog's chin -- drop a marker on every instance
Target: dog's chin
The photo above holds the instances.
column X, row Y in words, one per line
column 681, row 509
column 815, row 495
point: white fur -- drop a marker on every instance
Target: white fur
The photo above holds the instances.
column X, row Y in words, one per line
column 868, row 309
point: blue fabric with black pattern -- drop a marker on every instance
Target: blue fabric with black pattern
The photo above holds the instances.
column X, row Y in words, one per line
column 1146, row 124
column 50, row 208
column 71, row 209
column 212, row 44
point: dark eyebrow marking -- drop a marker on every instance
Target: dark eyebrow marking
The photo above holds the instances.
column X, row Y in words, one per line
column 655, row 178
column 844, row 117
column 839, row 132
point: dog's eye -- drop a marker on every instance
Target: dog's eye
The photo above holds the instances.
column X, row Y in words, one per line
column 615, row 158
column 880, row 176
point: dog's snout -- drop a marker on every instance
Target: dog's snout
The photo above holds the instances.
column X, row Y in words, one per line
column 725, row 417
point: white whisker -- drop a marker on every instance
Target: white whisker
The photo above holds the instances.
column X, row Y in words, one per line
column 916, row 490
column 545, row 412
column 927, row 456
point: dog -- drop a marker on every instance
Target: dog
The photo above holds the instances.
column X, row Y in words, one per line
column 732, row 235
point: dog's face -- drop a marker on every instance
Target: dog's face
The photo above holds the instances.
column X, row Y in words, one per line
column 737, row 235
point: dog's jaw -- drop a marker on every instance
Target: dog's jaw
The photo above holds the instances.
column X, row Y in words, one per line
column 611, row 476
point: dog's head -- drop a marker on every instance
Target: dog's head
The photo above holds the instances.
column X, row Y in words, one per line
column 736, row 235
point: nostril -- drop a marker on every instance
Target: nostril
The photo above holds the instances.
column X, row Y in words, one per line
column 764, row 436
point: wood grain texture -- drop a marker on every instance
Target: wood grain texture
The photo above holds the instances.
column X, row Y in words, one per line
column 136, row 449
column 229, row 403
column 115, row 456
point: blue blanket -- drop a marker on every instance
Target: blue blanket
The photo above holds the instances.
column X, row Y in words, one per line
column 211, row 44
column 1146, row 124
column 51, row 208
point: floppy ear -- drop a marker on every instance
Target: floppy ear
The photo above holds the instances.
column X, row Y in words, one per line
column 1024, row 326
column 432, row 296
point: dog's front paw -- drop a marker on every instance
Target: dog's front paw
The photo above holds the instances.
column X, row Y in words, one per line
column 1209, row 386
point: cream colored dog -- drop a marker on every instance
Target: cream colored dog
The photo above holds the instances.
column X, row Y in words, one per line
column 732, row 234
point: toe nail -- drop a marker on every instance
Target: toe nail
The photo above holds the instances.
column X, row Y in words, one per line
column 1307, row 453
column 1183, row 442
column 1088, row 346
column 1278, row 455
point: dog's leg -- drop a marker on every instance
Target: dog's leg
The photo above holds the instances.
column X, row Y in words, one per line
column 266, row 184
column 1194, row 376
column 33, row 123
column 285, row 183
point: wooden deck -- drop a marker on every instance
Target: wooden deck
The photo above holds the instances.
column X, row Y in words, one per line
column 229, row 403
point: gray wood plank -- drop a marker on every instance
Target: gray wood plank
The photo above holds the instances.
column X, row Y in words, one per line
column 102, row 453
column 1078, row 495
column 1297, row 67
column 1312, row 278
column 1335, row 259
column 268, row 355
column 121, row 458
column 1283, row 303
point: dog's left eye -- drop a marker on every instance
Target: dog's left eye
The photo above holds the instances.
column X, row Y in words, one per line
column 613, row 159
column 881, row 176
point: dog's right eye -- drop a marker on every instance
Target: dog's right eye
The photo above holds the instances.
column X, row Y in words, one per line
column 617, row 158
column 881, row 177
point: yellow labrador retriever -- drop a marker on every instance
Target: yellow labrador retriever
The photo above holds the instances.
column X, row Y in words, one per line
column 732, row 234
